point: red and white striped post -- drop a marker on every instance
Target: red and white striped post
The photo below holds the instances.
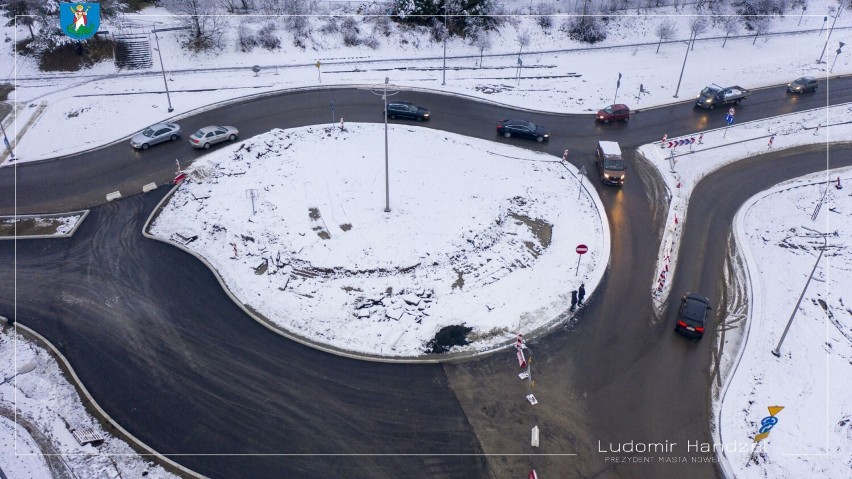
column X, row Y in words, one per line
column 663, row 143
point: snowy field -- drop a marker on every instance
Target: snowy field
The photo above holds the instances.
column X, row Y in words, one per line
column 479, row 234
column 810, row 379
column 782, row 240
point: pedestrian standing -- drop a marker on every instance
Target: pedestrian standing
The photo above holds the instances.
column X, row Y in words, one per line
column 573, row 300
column 582, row 294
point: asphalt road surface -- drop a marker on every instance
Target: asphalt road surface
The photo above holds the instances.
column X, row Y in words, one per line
column 168, row 356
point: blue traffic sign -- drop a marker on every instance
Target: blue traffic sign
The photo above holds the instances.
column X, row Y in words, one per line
column 729, row 119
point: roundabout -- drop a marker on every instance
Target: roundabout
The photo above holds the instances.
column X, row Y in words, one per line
column 479, row 236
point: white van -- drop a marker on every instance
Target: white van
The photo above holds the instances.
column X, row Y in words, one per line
column 610, row 163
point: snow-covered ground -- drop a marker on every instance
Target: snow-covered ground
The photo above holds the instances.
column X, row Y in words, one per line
column 782, row 239
column 100, row 106
column 479, row 234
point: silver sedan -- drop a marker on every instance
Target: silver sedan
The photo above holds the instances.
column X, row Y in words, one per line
column 155, row 134
column 210, row 135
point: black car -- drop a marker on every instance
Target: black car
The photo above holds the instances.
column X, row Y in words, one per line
column 692, row 315
column 803, row 84
column 522, row 129
column 404, row 109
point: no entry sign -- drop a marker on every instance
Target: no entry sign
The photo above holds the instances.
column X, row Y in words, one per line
column 581, row 250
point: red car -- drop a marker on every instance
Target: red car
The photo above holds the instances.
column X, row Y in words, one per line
column 613, row 113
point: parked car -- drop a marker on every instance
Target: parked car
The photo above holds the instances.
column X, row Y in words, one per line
column 210, row 135
column 404, row 109
column 692, row 316
column 154, row 134
column 714, row 95
column 522, row 129
column 803, row 84
column 614, row 113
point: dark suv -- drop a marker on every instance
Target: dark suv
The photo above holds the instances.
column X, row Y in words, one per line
column 404, row 109
column 692, row 316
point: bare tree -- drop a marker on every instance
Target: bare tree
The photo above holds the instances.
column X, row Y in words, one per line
column 523, row 41
column 731, row 26
column 760, row 25
column 238, row 6
column 199, row 17
column 697, row 26
column 481, row 40
column 22, row 11
column 665, row 31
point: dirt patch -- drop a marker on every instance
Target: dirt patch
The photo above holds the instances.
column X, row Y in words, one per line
column 314, row 214
column 459, row 283
column 540, row 228
column 30, row 226
column 448, row 337
column 346, row 227
column 74, row 56
column 5, row 89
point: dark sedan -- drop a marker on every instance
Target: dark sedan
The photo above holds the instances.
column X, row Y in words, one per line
column 522, row 129
column 404, row 109
column 692, row 315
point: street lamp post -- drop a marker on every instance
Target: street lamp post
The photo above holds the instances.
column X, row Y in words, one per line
column 383, row 91
column 777, row 351
column 446, row 32
column 163, row 69
column 684, row 65
column 830, row 30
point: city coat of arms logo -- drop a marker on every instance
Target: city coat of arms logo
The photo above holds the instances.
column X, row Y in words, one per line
column 79, row 20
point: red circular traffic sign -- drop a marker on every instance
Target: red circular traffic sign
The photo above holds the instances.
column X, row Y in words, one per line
column 582, row 249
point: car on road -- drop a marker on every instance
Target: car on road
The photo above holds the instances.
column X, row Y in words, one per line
column 522, row 129
column 210, row 135
column 154, row 134
column 715, row 95
column 803, row 84
column 692, row 315
column 404, row 109
column 613, row 113
column 610, row 163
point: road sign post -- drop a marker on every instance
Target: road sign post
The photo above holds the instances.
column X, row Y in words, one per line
column 581, row 250
column 729, row 120
column 332, row 114
column 319, row 73
column 582, row 174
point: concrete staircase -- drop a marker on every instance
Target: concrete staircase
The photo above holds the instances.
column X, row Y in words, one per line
column 132, row 51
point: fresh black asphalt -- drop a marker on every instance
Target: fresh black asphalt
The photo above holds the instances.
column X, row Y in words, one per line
column 168, row 356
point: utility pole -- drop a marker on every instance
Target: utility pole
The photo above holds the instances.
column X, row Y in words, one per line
column 684, row 65
column 839, row 10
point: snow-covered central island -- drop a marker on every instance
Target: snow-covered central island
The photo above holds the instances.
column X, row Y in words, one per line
column 479, row 234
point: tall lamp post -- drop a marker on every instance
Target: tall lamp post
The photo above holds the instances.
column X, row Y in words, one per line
column 446, row 33
column 383, row 90
column 839, row 10
column 162, row 68
column 684, row 64
column 777, row 351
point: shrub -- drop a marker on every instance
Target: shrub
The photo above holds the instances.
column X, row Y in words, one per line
column 267, row 38
column 584, row 29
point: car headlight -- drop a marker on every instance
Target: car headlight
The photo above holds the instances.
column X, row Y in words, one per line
column 547, row 135
column 425, row 115
column 606, row 176
column 708, row 100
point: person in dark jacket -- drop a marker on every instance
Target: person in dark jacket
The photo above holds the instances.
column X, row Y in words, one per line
column 573, row 300
column 581, row 295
